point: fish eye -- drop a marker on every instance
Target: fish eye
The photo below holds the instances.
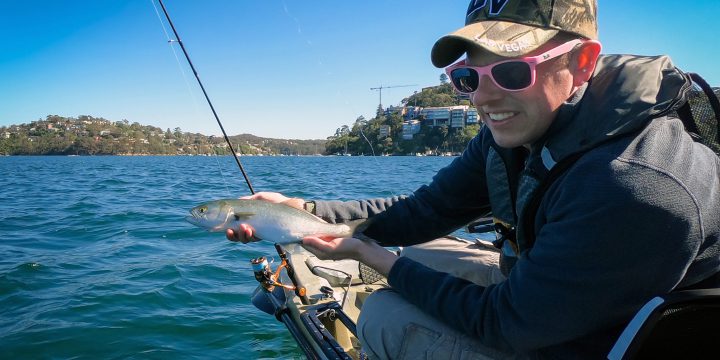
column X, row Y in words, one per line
column 203, row 209
column 237, row 217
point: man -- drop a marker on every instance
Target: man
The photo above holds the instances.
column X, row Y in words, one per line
column 634, row 214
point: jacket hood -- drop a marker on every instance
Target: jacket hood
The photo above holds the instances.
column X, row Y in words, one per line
column 625, row 93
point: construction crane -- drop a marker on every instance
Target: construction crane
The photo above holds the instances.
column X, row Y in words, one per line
column 387, row 87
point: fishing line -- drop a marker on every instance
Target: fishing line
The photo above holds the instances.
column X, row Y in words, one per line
column 207, row 98
column 372, row 150
column 190, row 91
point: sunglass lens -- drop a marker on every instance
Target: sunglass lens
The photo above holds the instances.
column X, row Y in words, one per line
column 464, row 79
column 514, row 75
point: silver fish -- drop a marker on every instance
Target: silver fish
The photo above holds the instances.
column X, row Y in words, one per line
column 274, row 222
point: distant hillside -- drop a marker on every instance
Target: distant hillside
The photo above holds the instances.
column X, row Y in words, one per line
column 258, row 145
column 88, row 135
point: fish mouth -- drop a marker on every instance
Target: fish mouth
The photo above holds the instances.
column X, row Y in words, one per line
column 191, row 219
column 201, row 220
column 195, row 218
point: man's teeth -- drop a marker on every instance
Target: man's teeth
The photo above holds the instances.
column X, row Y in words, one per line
column 499, row 116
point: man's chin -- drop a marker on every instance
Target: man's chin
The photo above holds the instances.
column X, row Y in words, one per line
column 507, row 142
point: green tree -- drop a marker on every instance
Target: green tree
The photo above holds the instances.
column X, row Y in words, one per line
column 442, row 95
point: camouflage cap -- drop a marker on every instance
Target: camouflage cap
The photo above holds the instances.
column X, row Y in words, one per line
column 512, row 28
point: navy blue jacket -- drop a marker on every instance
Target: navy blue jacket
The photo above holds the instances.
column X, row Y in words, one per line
column 636, row 216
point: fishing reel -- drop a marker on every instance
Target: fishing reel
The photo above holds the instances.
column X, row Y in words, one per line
column 263, row 273
column 269, row 279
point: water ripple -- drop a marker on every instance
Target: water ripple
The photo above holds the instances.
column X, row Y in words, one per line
column 96, row 260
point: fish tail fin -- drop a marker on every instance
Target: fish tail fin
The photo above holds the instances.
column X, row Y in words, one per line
column 359, row 226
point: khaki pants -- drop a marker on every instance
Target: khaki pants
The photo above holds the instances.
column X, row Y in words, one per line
column 391, row 328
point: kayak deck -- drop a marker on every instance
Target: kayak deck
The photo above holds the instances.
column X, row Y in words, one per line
column 335, row 292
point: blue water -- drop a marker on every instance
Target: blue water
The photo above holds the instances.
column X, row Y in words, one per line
column 96, row 260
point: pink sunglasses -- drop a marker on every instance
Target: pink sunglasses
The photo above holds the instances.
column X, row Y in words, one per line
column 511, row 75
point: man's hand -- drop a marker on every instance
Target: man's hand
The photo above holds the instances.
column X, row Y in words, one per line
column 246, row 234
column 367, row 252
column 331, row 248
column 277, row 198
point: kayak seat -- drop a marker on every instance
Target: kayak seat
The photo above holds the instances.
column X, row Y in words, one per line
column 337, row 272
column 680, row 325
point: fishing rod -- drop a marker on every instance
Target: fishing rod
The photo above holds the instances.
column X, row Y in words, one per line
column 197, row 77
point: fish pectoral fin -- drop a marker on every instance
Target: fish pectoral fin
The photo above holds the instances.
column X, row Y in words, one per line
column 243, row 216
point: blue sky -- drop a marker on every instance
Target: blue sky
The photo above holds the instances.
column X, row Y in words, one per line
column 273, row 68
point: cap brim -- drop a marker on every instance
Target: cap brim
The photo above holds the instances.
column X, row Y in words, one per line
column 503, row 38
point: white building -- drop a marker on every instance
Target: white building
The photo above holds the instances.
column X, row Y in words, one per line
column 452, row 116
column 436, row 116
column 457, row 116
column 410, row 128
column 471, row 117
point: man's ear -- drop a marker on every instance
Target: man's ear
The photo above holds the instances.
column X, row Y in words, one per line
column 584, row 60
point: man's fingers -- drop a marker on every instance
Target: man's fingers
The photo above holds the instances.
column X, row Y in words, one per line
column 247, row 231
column 319, row 254
column 244, row 234
column 316, row 246
column 231, row 235
column 277, row 198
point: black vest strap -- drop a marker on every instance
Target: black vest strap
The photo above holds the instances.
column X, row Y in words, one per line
column 514, row 160
column 534, row 204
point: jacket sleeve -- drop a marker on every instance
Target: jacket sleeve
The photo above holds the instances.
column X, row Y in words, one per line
column 335, row 211
column 603, row 250
column 456, row 196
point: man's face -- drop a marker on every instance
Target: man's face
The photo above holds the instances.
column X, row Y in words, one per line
column 519, row 118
